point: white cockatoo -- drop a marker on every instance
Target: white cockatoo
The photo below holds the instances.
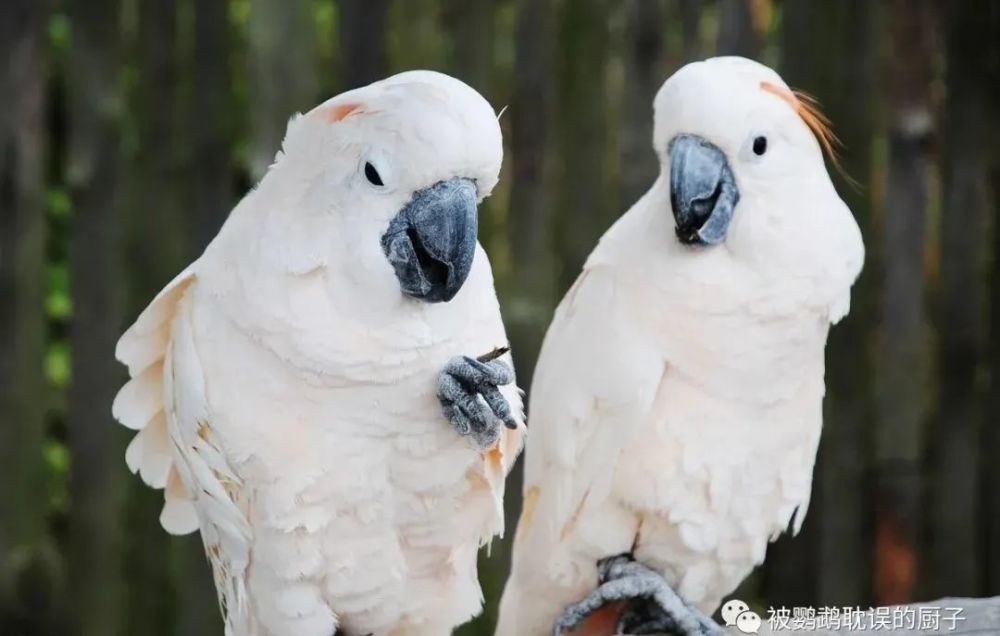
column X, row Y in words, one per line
column 677, row 402
column 301, row 390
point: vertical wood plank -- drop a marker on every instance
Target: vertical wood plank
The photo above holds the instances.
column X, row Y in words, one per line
column 902, row 351
column 23, row 396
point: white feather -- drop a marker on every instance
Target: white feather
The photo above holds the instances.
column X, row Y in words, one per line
column 140, row 399
column 677, row 400
column 298, row 385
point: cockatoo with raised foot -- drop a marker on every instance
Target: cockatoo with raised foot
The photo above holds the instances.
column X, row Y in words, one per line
column 677, row 403
column 325, row 393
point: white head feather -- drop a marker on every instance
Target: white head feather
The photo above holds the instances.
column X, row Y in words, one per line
column 316, row 208
column 792, row 240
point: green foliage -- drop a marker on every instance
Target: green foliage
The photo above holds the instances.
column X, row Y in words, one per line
column 59, row 33
column 57, row 303
column 325, row 17
column 57, row 460
column 57, row 364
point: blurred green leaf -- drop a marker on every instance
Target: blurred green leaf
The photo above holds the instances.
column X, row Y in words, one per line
column 58, row 304
column 56, row 457
column 59, row 32
column 58, row 203
column 239, row 11
column 57, row 364
column 324, row 22
column 241, row 152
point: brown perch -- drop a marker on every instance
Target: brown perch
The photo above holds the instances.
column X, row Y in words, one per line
column 493, row 355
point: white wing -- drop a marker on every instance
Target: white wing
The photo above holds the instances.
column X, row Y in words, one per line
column 176, row 448
column 139, row 405
column 595, row 382
column 603, row 378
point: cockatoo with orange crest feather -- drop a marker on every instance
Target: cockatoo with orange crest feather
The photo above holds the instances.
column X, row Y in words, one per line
column 310, row 392
column 677, row 402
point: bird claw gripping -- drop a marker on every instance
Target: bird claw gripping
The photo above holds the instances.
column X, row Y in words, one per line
column 467, row 388
column 652, row 607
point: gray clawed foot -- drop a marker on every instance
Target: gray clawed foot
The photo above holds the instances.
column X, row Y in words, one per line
column 467, row 388
column 644, row 617
column 653, row 607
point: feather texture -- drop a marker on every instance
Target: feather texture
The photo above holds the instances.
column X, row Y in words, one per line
column 677, row 401
column 139, row 404
column 284, row 389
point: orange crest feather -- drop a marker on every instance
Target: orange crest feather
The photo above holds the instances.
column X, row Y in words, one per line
column 807, row 108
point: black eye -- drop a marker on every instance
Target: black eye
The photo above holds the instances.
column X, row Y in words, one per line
column 759, row 145
column 373, row 176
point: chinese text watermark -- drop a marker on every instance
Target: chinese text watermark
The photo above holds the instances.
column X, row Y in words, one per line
column 927, row 618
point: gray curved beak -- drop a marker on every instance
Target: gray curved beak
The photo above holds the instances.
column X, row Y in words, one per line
column 432, row 241
column 703, row 192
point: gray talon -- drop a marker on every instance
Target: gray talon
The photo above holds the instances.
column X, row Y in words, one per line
column 653, row 606
column 467, row 389
column 498, row 404
column 458, row 419
column 643, row 616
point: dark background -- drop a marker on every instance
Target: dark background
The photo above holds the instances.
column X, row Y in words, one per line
column 128, row 129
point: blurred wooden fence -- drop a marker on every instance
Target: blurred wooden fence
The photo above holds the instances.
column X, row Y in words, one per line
column 128, row 129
